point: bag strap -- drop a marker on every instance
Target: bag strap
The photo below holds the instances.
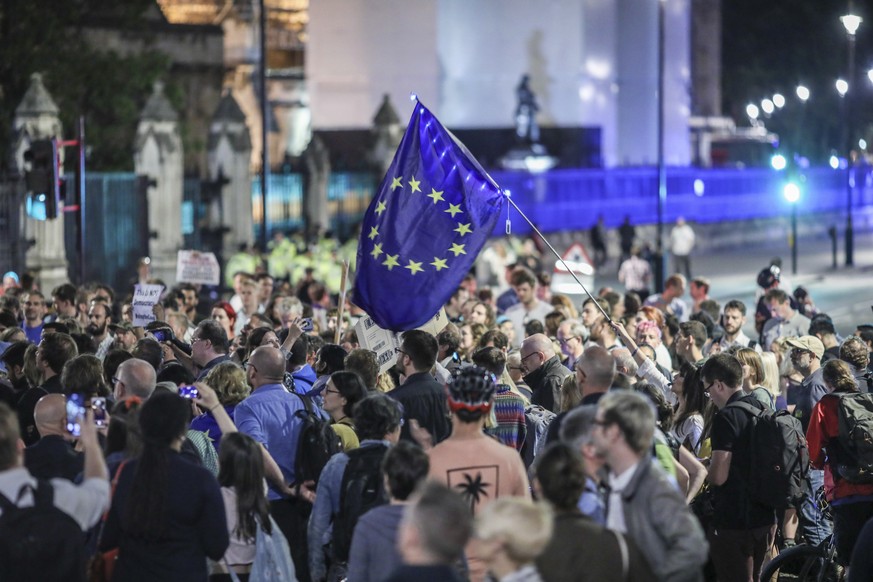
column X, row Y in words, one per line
column 230, row 571
column 753, row 410
column 111, row 498
column 307, row 404
column 622, row 548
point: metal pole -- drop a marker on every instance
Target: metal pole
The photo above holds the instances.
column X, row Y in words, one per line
column 662, row 170
column 794, row 238
column 80, row 197
column 850, row 231
column 265, row 125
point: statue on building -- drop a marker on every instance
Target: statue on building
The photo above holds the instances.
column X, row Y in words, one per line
column 526, row 127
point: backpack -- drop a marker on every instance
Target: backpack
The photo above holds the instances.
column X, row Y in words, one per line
column 362, row 489
column 855, row 421
column 537, row 420
column 28, row 535
column 779, row 457
column 273, row 561
column 317, row 443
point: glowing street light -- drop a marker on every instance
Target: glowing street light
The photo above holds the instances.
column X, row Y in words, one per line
column 802, row 93
column 851, row 22
column 767, row 106
column 778, row 162
column 842, row 87
column 752, row 111
column 779, row 100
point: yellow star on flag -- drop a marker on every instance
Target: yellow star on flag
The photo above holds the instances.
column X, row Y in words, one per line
column 397, row 183
column 457, row 249
column 413, row 267
column 435, row 195
column 439, row 264
column 413, row 183
column 454, row 209
column 377, row 250
column 374, row 232
column 463, row 228
column 390, row 261
column 380, row 208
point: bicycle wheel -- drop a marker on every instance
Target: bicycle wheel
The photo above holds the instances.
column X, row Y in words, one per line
column 801, row 563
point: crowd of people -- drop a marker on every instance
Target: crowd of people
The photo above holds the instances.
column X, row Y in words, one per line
column 531, row 439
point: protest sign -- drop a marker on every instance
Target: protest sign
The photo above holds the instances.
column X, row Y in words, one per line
column 197, row 268
column 384, row 342
column 145, row 297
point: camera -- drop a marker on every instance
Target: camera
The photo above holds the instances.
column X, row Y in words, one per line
column 163, row 334
column 75, row 413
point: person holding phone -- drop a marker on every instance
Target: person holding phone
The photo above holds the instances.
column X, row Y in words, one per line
column 53, row 455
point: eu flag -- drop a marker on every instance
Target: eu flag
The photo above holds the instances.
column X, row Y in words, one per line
column 421, row 234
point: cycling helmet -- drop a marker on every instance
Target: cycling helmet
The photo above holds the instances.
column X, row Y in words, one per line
column 471, row 389
column 767, row 277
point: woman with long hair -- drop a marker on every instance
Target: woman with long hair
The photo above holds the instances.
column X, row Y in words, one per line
column 167, row 515
column 771, row 379
column 241, row 477
column 689, row 411
column 343, row 391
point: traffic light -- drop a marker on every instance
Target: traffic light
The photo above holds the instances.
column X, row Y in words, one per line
column 42, row 179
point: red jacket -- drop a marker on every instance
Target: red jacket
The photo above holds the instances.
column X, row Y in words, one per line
column 824, row 429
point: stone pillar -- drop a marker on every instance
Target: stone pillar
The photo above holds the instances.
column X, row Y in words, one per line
column 387, row 133
column 158, row 155
column 317, row 160
column 230, row 151
column 36, row 117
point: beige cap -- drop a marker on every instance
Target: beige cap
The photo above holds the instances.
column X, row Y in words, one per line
column 809, row 343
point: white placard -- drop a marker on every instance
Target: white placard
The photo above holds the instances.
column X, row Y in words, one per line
column 145, row 297
column 197, row 268
column 381, row 341
column 384, row 342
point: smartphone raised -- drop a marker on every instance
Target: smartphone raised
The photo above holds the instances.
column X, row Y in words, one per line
column 75, row 413
column 189, row 392
column 306, row 324
column 98, row 405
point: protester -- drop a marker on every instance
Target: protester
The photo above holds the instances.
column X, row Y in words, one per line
column 851, row 499
column 374, row 551
column 53, row 455
column 167, row 514
column 580, row 548
column 435, row 529
column 544, row 372
column 681, row 243
column 511, row 533
column 643, row 503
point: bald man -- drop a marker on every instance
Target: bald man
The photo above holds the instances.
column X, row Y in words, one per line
column 52, row 456
column 544, row 372
column 269, row 415
column 134, row 377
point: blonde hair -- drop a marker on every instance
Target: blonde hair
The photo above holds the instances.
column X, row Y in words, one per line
column 385, row 383
column 771, row 373
column 523, row 527
column 750, row 358
column 571, row 396
column 229, row 382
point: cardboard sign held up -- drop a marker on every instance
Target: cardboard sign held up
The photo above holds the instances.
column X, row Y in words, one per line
column 197, row 268
column 145, row 297
column 385, row 343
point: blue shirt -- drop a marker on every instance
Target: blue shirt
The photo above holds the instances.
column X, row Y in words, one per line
column 268, row 416
column 33, row 334
column 206, row 423
column 592, row 502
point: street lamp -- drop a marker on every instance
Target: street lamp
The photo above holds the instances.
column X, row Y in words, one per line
column 779, row 100
column 851, row 22
column 752, row 111
column 842, row 87
column 768, row 106
column 802, row 93
column 791, row 192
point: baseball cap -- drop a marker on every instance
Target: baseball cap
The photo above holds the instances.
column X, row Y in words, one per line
column 14, row 354
column 807, row 342
column 123, row 326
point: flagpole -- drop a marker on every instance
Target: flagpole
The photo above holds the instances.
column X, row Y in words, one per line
column 342, row 303
column 559, row 257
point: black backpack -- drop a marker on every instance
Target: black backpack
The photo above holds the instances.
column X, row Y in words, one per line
column 362, row 490
column 854, row 460
column 40, row 543
column 317, row 443
column 779, row 457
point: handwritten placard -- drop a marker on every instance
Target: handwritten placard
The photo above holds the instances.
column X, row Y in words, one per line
column 385, row 343
column 197, row 268
column 145, row 297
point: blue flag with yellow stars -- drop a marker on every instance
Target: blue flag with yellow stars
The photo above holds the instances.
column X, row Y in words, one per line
column 432, row 214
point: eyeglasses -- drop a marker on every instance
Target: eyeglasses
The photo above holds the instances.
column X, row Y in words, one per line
column 399, row 351
column 706, row 389
column 566, row 340
column 247, row 365
column 194, row 340
column 529, row 355
column 115, row 380
column 519, row 368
